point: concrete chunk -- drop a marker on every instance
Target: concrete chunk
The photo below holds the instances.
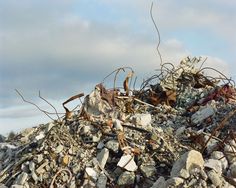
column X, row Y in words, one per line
column 102, row 157
column 189, row 160
column 127, row 162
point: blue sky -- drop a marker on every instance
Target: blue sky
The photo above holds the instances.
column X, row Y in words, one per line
column 64, row 47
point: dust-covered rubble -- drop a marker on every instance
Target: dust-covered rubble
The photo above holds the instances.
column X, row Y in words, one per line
column 176, row 132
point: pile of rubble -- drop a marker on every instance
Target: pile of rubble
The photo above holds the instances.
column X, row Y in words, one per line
column 178, row 130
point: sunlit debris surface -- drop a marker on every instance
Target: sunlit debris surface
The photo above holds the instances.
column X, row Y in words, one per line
column 177, row 130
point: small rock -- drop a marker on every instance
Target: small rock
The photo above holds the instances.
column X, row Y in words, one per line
column 126, row 178
column 21, row 179
column 203, row 174
column 102, row 181
column 65, row 160
column 175, row 181
column 3, row 186
column 49, row 126
column 39, row 158
column 202, row 114
column 233, row 170
column 188, row 161
column 127, row 162
column 142, row 120
column 72, row 183
column 35, row 177
column 31, row 166
column 180, row 131
column 160, row 183
column 102, row 157
column 17, row 186
column 230, row 151
column 100, row 145
column 113, row 145
column 94, row 104
column 2, row 138
column 117, row 125
column 85, row 129
column 40, row 169
column 59, row 149
column 214, row 164
column 40, row 136
column 220, row 156
column 215, row 178
column 117, row 172
column 91, row 173
column 96, row 138
column 148, row 170
column 211, row 144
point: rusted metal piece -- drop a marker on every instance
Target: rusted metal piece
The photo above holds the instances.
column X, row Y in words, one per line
column 123, row 142
column 224, row 91
column 68, row 112
column 220, row 126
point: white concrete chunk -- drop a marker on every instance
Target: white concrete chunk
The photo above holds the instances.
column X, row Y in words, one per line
column 127, row 162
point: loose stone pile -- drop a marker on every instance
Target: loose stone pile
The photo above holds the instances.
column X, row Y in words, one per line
column 143, row 139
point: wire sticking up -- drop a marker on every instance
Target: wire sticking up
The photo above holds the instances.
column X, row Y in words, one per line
column 158, row 34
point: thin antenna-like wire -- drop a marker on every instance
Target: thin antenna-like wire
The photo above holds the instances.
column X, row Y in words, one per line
column 45, row 112
column 158, row 33
column 50, row 105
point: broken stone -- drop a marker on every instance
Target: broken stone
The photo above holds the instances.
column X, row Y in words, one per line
column 148, row 170
column 211, row 144
column 21, row 179
column 102, row 181
column 91, row 173
column 94, row 104
column 214, row 164
column 180, row 131
column 218, row 155
column 49, row 126
column 40, row 169
column 39, row 158
column 100, row 145
column 35, row 177
column 233, row 170
column 126, row 178
column 65, row 160
column 117, row 125
column 202, row 114
column 85, row 129
column 127, row 162
column 3, row 186
column 96, row 138
column 230, row 151
column 113, row 145
column 142, row 120
column 26, row 133
column 40, row 136
column 175, row 181
column 59, row 149
column 203, row 174
column 188, row 161
column 31, row 166
column 17, row 186
column 215, row 178
column 72, row 183
column 160, row 183
column 102, row 157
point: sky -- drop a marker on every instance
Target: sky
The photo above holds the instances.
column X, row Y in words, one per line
column 65, row 47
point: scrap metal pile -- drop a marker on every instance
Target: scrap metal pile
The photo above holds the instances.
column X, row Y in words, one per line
column 178, row 130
